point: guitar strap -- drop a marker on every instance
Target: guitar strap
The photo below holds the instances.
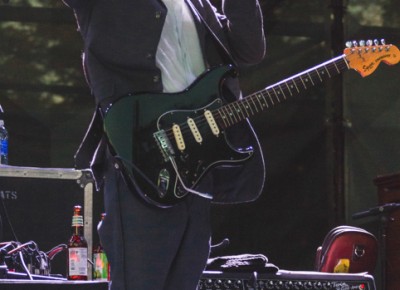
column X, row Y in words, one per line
column 84, row 154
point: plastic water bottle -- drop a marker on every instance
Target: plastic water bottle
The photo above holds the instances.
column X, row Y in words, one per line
column 3, row 140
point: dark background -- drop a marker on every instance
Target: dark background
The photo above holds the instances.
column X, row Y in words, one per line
column 323, row 149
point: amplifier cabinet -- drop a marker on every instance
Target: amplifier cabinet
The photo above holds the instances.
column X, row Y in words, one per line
column 37, row 205
column 282, row 280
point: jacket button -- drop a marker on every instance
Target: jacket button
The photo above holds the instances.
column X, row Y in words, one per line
column 149, row 55
column 156, row 79
column 158, row 14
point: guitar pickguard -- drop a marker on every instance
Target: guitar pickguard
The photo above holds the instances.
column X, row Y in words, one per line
column 198, row 157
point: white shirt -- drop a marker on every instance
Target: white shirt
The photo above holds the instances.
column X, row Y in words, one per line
column 179, row 56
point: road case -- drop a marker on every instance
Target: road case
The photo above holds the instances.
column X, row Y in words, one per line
column 37, row 205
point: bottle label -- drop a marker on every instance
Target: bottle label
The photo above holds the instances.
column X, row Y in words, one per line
column 77, row 220
column 3, row 151
column 77, row 265
column 100, row 271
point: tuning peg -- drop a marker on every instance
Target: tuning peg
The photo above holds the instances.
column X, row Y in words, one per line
column 376, row 42
column 369, row 42
column 348, row 44
column 362, row 42
column 383, row 41
column 355, row 43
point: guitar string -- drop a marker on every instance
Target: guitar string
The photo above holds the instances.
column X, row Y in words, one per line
column 298, row 81
column 234, row 108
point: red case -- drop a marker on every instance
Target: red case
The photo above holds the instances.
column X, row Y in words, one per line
column 347, row 249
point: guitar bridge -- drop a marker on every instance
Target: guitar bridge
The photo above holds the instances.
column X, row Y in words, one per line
column 164, row 144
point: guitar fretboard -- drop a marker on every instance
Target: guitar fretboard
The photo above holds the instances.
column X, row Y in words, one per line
column 258, row 102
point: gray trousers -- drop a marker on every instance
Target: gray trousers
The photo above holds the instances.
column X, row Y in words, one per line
column 153, row 248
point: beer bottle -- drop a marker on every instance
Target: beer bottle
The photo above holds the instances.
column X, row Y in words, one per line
column 77, row 249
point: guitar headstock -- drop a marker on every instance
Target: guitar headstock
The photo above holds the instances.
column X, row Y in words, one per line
column 365, row 56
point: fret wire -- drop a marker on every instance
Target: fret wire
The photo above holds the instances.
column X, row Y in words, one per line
column 280, row 88
column 319, row 75
column 298, row 91
column 314, row 76
column 239, row 111
column 249, row 106
column 304, row 84
column 336, row 67
column 227, row 116
column 265, row 100
column 327, row 71
column 228, row 110
column 276, row 95
column 232, row 113
column 288, row 89
column 309, row 76
column 220, row 119
column 254, row 105
column 269, row 95
column 347, row 64
column 246, row 106
column 242, row 109
column 260, row 95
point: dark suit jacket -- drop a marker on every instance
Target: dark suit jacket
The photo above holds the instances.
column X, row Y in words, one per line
column 120, row 43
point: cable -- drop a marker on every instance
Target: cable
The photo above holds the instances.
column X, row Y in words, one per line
column 54, row 251
column 24, row 266
column 8, row 219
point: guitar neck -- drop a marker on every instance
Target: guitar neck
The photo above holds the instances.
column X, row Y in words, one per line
column 257, row 102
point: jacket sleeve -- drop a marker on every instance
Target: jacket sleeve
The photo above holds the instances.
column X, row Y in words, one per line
column 245, row 32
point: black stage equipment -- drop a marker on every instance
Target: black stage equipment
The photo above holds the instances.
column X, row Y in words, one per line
column 283, row 279
column 52, row 285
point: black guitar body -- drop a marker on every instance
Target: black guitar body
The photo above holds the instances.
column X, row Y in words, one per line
column 140, row 130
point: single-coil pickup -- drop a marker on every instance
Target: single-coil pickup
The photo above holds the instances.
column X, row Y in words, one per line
column 211, row 122
column 180, row 143
column 194, row 130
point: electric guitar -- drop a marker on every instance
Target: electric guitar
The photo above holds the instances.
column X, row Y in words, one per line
column 166, row 143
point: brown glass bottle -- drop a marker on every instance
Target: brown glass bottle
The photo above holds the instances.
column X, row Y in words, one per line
column 77, row 249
